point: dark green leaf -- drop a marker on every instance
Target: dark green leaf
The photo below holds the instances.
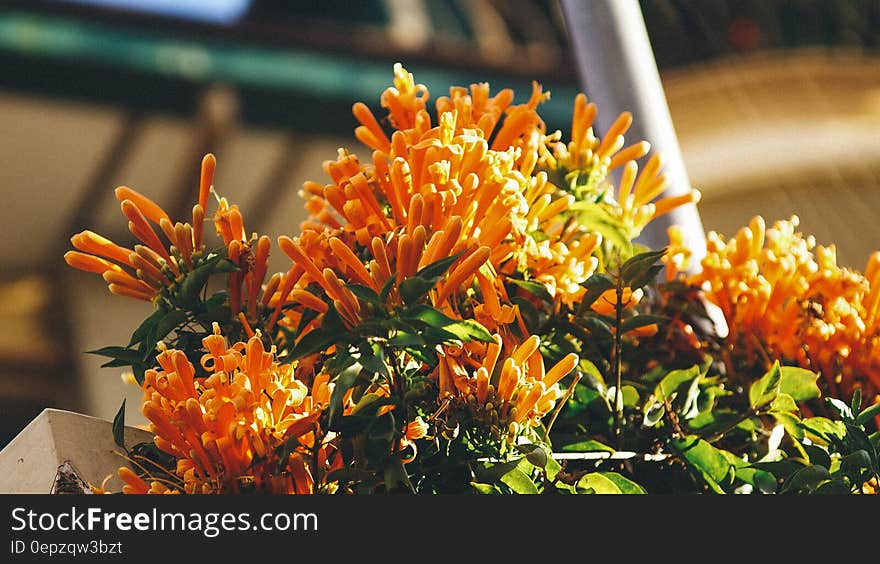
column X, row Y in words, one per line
column 596, row 285
column 140, row 373
column 799, row 383
column 364, row 293
column 396, row 477
column 127, row 356
column 169, row 322
column 344, row 382
column 386, row 288
column 119, row 426
column 764, row 481
column 818, row 456
column 639, row 266
column 148, row 326
column 764, row 390
column 415, row 288
column 315, row 341
column 225, row 266
column 597, row 327
column 402, row 339
column 856, row 402
column 646, row 277
column 535, row 454
column 187, row 295
column 438, row 268
column 535, row 288
column 807, row 478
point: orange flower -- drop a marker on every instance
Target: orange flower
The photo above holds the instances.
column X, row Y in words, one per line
column 150, row 269
column 783, row 296
column 226, row 430
column 502, row 391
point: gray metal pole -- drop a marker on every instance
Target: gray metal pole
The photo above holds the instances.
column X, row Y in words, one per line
column 618, row 72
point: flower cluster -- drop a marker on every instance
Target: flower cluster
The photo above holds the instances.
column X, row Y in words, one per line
column 783, row 296
column 418, row 315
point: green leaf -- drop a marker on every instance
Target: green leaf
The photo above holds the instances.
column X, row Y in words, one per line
column 404, row 339
column 586, row 446
column 764, row 481
column 148, row 326
column 823, row 429
column 519, row 482
column 707, row 460
column 387, row 287
column 646, row 277
column 799, row 383
column 119, row 426
column 536, row 288
column 818, row 456
column 429, row 315
column 225, row 266
column 764, row 390
column 640, row 321
column 625, row 485
column 469, row 330
column 783, row 403
column 187, row 295
column 344, row 382
column 315, row 341
column 364, row 293
column 535, row 454
column 868, row 413
column 396, row 477
column 597, row 327
column 807, row 478
column 596, row 218
column 438, row 268
column 596, row 285
column 790, row 421
column 599, row 483
column 484, row 489
column 415, row 288
column 638, row 265
column 169, row 322
column 674, row 380
column 125, row 355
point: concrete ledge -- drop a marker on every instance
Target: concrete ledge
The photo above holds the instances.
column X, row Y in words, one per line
column 59, row 446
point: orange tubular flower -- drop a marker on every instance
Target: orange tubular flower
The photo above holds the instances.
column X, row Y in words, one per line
column 225, row 430
column 149, row 269
column 505, row 391
column 785, row 296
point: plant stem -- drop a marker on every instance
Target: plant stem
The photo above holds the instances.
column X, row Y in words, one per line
column 568, row 393
column 618, row 366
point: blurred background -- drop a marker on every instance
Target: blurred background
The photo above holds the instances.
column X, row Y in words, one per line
column 776, row 104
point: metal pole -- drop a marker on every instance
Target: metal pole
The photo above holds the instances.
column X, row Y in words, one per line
column 618, row 72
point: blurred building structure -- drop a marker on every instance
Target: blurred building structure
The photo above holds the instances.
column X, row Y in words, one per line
column 776, row 105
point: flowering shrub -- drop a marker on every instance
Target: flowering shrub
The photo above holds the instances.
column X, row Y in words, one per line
column 466, row 310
